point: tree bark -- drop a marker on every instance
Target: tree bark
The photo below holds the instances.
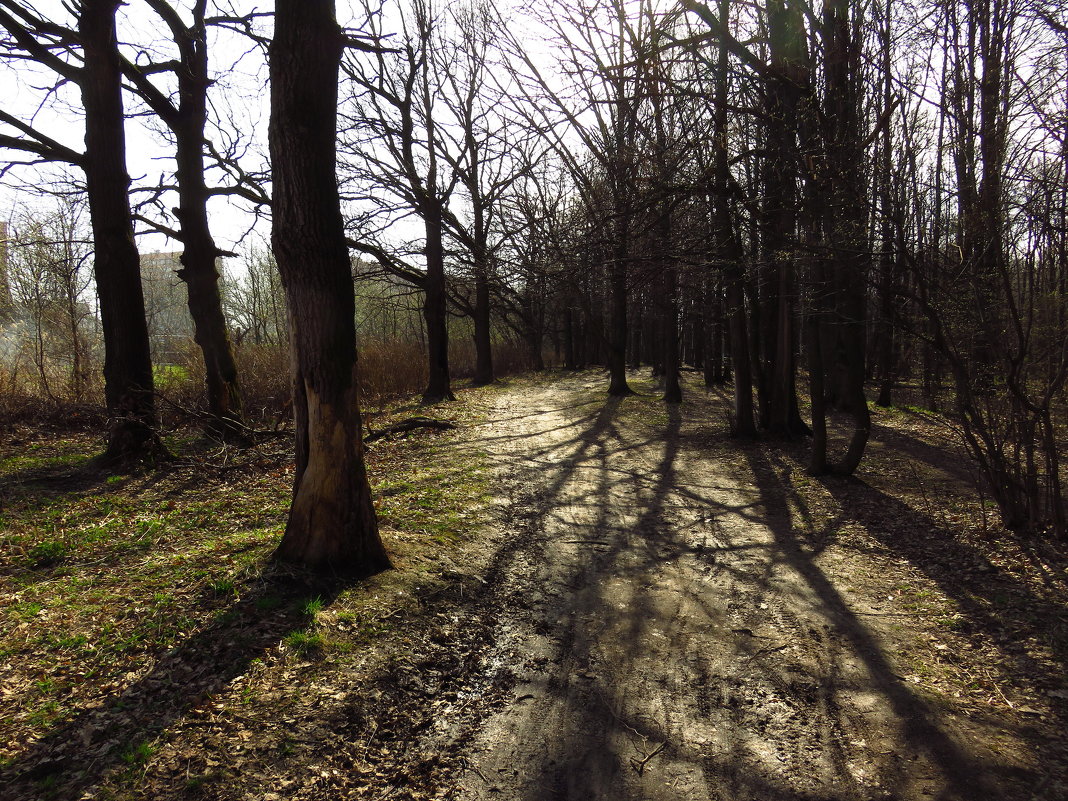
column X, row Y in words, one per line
column 569, row 339
column 332, row 525
column 483, row 342
column 617, row 338
column 435, row 313
column 787, row 75
column 128, row 384
column 734, row 272
column 480, row 254
column 636, row 335
column 672, row 385
column 200, row 252
column 846, row 221
column 187, row 117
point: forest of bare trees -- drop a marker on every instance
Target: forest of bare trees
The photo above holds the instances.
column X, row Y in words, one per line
column 824, row 206
column 606, row 400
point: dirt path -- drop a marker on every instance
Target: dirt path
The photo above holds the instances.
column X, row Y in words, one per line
column 652, row 611
column 671, row 636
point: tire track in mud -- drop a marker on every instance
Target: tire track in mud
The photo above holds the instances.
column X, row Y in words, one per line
column 670, row 638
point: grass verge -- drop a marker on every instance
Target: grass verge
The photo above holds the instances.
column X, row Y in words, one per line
column 130, row 602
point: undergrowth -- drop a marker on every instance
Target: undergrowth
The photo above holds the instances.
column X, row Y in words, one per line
column 111, row 584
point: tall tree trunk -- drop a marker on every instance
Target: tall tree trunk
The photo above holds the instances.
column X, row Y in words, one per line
column 788, row 75
column 569, row 339
column 672, row 385
column 698, row 347
column 198, row 258
column 332, row 525
column 205, row 304
column 744, row 421
column 707, row 334
column 480, row 256
column 534, row 348
column 636, row 335
column 734, row 270
column 483, row 342
column 721, row 372
column 847, row 219
column 534, row 331
column 617, row 337
column 886, row 340
column 582, row 342
column 128, row 385
column 438, row 387
column 186, row 116
column 669, row 299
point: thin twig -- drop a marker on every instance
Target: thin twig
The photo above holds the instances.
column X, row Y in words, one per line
column 766, row 651
column 639, row 764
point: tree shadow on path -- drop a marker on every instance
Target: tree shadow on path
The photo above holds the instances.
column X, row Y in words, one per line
column 621, row 524
column 966, row 777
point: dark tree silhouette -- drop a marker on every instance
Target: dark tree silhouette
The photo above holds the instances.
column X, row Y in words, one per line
column 186, row 115
column 128, row 384
column 332, row 525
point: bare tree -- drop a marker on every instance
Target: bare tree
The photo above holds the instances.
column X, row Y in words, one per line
column 394, row 142
column 185, row 114
column 332, row 524
column 88, row 57
column 589, row 113
column 49, row 280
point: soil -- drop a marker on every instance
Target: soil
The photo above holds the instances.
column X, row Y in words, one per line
column 674, row 633
column 658, row 611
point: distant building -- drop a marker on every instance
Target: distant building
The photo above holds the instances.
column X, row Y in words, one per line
column 6, row 303
column 166, row 306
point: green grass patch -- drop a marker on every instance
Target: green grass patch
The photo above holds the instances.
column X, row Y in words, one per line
column 104, row 576
column 443, row 501
column 139, row 754
column 43, row 457
column 312, row 607
column 47, row 553
column 305, row 642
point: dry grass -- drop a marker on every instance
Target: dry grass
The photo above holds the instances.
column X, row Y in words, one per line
column 387, row 371
column 132, row 602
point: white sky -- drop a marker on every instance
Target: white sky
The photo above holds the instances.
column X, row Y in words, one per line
column 240, row 93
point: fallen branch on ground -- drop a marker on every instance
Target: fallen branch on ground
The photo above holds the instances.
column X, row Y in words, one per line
column 410, row 424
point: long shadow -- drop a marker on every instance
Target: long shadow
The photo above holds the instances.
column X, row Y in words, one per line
column 541, row 411
column 584, row 760
column 585, row 752
column 37, row 487
column 991, row 601
column 1038, row 551
column 963, row 776
column 921, row 451
column 399, row 712
column 103, row 740
column 635, row 543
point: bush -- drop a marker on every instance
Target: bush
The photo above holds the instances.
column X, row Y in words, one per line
column 387, row 370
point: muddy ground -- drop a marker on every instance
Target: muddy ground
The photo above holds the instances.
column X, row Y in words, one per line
column 657, row 611
column 675, row 634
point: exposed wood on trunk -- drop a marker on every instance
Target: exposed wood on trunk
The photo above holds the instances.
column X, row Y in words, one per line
column 332, row 525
